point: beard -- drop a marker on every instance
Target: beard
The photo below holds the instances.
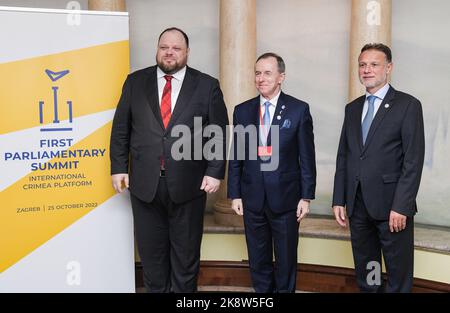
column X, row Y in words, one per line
column 171, row 68
column 373, row 83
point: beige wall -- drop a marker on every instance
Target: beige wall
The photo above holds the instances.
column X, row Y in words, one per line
column 421, row 50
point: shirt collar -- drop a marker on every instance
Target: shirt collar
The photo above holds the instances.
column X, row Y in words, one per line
column 272, row 101
column 381, row 93
column 178, row 75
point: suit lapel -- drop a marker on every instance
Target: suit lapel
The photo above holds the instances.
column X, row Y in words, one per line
column 151, row 89
column 254, row 112
column 252, row 116
column 381, row 113
column 357, row 122
column 278, row 113
column 187, row 90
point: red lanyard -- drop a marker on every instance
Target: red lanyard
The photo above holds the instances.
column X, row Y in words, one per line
column 261, row 121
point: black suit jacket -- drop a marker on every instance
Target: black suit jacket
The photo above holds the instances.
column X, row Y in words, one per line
column 389, row 166
column 138, row 137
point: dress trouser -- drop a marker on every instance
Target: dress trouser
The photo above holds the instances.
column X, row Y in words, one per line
column 269, row 234
column 369, row 238
column 168, row 237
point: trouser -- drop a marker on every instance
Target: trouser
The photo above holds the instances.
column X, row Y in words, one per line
column 369, row 238
column 269, row 234
column 168, row 238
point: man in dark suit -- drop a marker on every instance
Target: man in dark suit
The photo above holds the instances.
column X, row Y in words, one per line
column 272, row 200
column 168, row 194
column 378, row 170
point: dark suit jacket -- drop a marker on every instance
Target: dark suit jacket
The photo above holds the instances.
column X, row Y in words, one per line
column 389, row 165
column 138, row 134
column 295, row 177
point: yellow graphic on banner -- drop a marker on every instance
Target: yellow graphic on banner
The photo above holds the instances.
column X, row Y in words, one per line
column 43, row 203
column 29, row 91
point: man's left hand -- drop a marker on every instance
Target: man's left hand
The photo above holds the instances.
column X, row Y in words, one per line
column 210, row 184
column 397, row 222
column 302, row 209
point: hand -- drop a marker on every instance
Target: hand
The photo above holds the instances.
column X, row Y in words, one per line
column 397, row 222
column 302, row 209
column 118, row 180
column 237, row 206
column 339, row 214
column 210, row 184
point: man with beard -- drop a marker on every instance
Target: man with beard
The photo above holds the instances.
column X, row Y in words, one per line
column 168, row 194
column 378, row 170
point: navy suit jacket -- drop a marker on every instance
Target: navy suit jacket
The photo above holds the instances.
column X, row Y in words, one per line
column 389, row 166
column 295, row 176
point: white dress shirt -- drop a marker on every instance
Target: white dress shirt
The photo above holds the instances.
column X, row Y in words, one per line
column 380, row 94
column 272, row 106
column 177, row 82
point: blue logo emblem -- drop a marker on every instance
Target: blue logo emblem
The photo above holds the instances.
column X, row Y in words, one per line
column 54, row 76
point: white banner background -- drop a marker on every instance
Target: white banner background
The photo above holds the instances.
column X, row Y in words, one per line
column 96, row 252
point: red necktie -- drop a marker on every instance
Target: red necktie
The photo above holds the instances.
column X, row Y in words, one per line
column 166, row 108
column 166, row 101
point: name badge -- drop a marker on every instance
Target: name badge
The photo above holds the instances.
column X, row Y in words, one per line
column 265, row 151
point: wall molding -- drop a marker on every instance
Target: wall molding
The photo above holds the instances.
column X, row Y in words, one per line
column 310, row 277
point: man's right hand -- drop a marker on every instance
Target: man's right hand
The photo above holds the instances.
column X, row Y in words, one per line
column 339, row 214
column 118, row 181
column 237, row 206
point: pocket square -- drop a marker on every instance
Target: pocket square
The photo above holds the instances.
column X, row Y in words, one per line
column 286, row 124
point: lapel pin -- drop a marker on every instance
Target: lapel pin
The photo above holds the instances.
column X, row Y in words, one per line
column 386, row 105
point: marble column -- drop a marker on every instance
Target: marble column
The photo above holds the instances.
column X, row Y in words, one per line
column 370, row 22
column 237, row 58
column 107, row 5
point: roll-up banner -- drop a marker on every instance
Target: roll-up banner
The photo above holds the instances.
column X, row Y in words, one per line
column 62, row 227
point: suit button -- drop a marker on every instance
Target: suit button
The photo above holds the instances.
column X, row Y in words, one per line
column 357, row 178
column 362, row 157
